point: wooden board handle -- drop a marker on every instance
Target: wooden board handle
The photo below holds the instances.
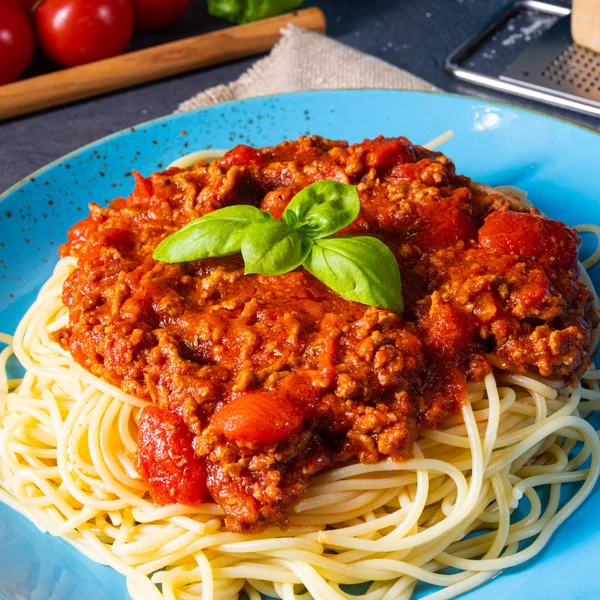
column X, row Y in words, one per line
column 129, row 69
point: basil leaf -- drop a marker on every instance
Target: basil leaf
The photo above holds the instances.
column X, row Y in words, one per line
column 245, row 11
column 359, row 268
column 273, row 248
column 216, row 234
column 322, row 208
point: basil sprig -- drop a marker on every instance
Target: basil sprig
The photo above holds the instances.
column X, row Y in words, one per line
column 218, row 233
column 322, row 209
column 357, row 267
column 273, row 248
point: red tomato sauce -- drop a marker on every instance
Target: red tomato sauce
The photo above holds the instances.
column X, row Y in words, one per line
column 264, row 381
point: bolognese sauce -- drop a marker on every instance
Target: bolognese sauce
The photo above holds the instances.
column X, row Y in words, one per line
column 259, row 382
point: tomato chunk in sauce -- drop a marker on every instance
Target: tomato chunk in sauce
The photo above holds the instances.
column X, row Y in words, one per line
column 241, row 155
column 166, row 457
column 442, row 226
column 383, row 153
column 261, row 418
column 447, row 331
column 530, row 236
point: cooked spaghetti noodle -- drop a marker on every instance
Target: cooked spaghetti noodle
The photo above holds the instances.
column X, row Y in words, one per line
column 446, row 517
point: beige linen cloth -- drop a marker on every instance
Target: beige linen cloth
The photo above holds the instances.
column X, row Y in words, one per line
column 304, row 60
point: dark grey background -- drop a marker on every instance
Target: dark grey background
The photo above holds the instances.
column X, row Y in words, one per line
column 412, row 34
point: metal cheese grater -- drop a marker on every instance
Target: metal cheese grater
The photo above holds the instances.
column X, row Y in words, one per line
column 551, row 68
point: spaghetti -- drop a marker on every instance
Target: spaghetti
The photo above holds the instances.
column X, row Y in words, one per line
column 465, row 507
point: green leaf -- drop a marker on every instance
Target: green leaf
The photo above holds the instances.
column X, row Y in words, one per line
column 245, row 11
column 322, row 208
column 359, row 268
column 216, row 234
column 273, row 248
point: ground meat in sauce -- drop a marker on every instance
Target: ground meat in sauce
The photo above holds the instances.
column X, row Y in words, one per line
column 273, row 379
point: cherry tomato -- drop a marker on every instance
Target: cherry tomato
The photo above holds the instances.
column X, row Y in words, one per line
column 156, row 14
column 16, row 40
column 75, row 32
column 28, row 4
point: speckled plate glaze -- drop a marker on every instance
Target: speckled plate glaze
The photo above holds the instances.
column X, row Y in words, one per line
column 557, row 162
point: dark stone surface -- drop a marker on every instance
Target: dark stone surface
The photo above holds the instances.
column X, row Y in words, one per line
column 413, row 34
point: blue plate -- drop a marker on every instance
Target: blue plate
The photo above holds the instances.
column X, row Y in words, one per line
column 554, row 160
